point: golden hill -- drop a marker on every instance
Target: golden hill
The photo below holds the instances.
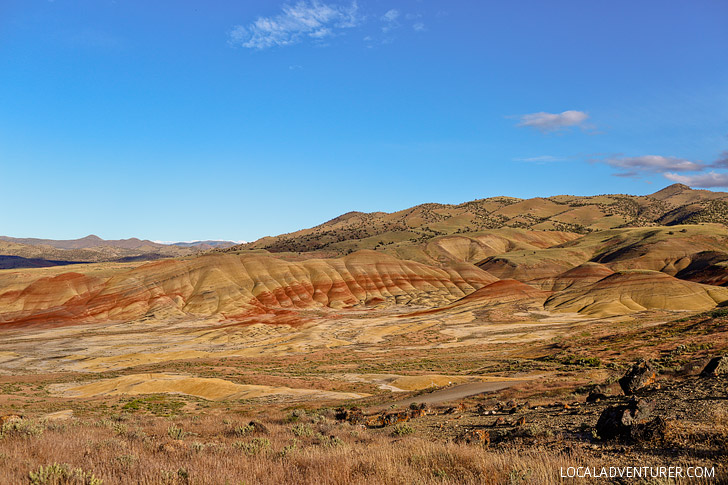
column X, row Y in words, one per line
column 672, row 250
column 673, row 205
column 635, row 291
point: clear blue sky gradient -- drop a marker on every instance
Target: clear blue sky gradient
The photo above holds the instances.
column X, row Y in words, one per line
column 135, row 118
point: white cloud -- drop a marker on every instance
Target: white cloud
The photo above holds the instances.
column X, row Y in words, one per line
column 703, row 180
column 314, row 19
column 391, row 15
column 419, row 26
column 390, row 20
column 653, row 163
column 553, row 121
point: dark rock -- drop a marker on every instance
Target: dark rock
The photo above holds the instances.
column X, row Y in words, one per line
column 417, row 413
column 641, row 375
column 353, row 415
column 376, row 421
column 387, row 419
column 622, row 421
column 476, row 437
column 258, row 427
column 657, row 430
column 717, row 366
column 595, row 396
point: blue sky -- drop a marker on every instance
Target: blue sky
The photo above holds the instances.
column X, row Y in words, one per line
column 181, row 120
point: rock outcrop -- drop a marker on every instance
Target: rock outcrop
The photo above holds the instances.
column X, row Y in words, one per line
column 718, row 366
column 623, row 421
column 641, row 375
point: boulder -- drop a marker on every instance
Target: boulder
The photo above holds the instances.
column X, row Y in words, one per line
column 258, row 427
column 353, row 415
column 596, row 396
column 658, row 429
column 376, row 421
column 417, row 413
column 624, row 421
column 387, row 419
column 476, row 437
column 718, row 366
column 641, row 375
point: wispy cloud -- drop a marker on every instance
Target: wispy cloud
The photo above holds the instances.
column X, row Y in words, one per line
column 654, row 164
column 546, row 122
column 541, row 159
column 702, row 180
column 721, row 162
column 314, row 20
column 391, row 15
column 389, row 20
column 419, row 26
column 692, row 173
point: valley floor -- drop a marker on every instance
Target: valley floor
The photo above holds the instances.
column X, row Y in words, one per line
column 173, row 403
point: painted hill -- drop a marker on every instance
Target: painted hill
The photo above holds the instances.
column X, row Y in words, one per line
column 600, row 271
column 232, row 287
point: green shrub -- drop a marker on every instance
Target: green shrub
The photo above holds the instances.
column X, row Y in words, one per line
column 402, row 429
column 296, row 415
column 176, row 433
column 243, row 430
column 62, row 474
column 719, row 312
column 302, row 430
column 22, row 427
column 328, row 441
column 253, row 447
column 289, row 449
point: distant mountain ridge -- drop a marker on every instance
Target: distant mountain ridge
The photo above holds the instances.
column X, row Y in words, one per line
column 90, row 241
column 34, row 252
column 205, row 244
column 93, row 241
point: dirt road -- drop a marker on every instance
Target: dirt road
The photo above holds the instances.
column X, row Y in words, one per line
column 455, row 393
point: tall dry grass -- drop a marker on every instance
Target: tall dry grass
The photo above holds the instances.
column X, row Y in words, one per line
column 308, row 449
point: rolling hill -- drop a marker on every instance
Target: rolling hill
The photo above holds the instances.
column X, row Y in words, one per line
column 397, row 231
